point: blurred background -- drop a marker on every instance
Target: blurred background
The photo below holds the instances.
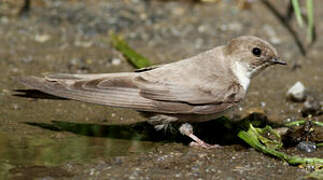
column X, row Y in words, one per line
column 54, row 138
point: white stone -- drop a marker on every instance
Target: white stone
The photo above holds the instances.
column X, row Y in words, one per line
column 41, row 38
column 297, row 92
column 116, row 61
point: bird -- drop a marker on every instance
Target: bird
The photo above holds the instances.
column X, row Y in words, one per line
column 195, row 89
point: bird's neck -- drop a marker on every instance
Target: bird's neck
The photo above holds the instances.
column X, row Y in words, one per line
column 242, row 72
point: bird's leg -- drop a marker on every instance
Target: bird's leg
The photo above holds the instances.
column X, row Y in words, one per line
column 161, row 121
column 187, row 129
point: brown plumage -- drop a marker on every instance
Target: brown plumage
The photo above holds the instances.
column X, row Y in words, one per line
column 206, row 84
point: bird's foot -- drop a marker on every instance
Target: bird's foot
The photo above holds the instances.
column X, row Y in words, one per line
column 187, row 129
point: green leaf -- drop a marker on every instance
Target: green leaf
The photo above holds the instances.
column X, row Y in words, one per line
column 136, row 59
column 251, row 137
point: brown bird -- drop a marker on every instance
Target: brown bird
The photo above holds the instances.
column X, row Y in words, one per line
column 195, row 89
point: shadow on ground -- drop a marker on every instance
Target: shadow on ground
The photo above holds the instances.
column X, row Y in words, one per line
column 219, row 131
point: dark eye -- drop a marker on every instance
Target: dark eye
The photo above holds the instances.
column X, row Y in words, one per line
column 256, row 52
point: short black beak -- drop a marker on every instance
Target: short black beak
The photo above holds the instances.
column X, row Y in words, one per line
column 278, row 61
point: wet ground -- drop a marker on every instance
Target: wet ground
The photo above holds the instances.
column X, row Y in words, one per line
column 54, row 138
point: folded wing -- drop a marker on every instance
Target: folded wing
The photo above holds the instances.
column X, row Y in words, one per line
column 165, row 89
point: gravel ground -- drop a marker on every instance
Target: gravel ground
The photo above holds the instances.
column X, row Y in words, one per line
column 60, row 139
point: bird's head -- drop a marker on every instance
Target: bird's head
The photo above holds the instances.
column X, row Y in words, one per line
column 252, row 53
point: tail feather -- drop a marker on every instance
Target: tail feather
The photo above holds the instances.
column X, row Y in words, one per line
column 104, row 89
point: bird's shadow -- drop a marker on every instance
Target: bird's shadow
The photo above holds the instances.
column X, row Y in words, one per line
column 35, row 94
column 219, row 131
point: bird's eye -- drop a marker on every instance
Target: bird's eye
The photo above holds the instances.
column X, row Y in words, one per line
column 256, row 51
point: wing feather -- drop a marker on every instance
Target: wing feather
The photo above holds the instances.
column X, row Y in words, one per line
column 88, row 91
column 187, row 86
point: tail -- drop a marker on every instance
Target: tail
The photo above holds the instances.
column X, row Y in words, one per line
column 115, row 89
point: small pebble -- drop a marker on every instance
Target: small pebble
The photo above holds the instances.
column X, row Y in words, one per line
column 262, row 104
column 116, row 61
column 42, row 38
column 199, row 43
column 27, row 59
column 84, row 44
column 297, row 92
column 15, row 106
column 201, row 29
column 4, row 20
column 306, row 146
column 312, row 106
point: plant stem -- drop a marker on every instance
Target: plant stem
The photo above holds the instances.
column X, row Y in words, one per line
column 310, row 20
column 301, row 122
column 298, row 13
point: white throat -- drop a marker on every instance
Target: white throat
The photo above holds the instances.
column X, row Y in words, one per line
column 242, row 72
